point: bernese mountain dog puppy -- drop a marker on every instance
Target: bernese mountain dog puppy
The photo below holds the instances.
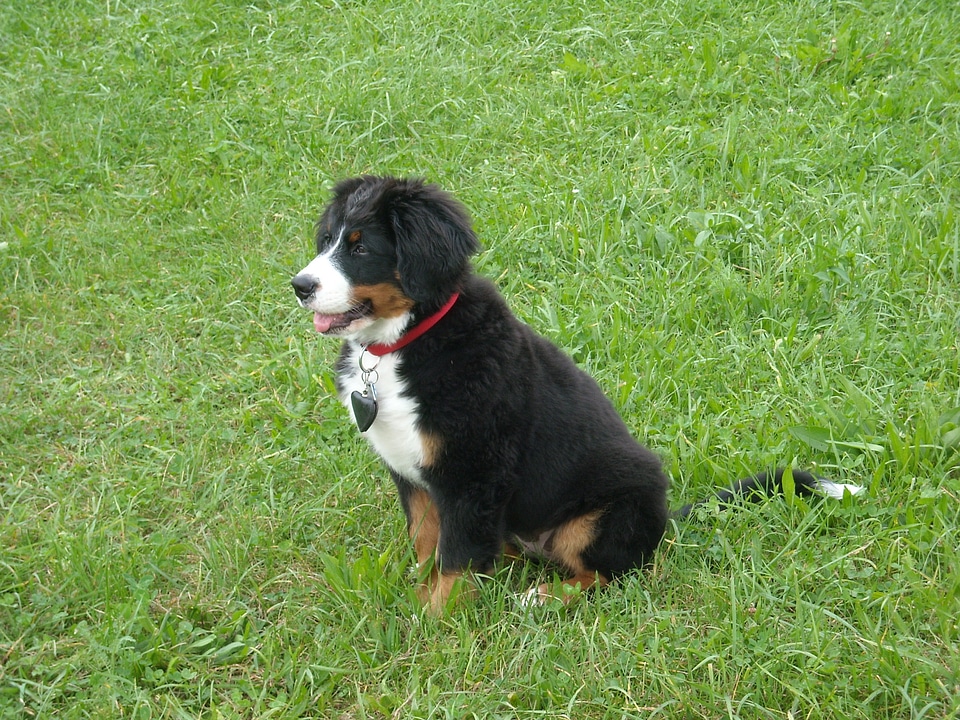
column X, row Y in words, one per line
column 494, row 438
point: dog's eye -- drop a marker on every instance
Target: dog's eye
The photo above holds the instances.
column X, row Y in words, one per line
column 355, row 240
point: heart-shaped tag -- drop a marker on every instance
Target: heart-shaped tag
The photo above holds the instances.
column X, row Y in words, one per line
column 364, row 407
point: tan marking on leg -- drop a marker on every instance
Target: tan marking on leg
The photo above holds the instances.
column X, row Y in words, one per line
column 567, row 546
column 453, row 585
column 572, row 538
column 423, row 525
column 388, row 300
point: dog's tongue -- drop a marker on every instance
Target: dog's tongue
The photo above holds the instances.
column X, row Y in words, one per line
column 322, row 323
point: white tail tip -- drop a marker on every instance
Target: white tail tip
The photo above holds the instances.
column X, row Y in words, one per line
column 837, row 490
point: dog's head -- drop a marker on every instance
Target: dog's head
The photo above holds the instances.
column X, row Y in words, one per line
column 388, row 251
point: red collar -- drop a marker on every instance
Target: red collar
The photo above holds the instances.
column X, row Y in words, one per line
column 413, row 333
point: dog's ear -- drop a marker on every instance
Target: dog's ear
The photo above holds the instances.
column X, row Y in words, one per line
column 434, row 241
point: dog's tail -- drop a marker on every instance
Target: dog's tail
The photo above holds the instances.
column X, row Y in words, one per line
column 764, row 484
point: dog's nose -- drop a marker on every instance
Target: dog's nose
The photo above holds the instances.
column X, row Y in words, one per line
column 303, row 286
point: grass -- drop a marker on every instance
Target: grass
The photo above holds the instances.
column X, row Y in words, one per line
column 741, row 218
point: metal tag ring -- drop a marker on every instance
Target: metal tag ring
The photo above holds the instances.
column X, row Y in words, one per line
column 364, row 368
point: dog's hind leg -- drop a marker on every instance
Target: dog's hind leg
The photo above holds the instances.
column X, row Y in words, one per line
column 566, row 546
column 602, row 545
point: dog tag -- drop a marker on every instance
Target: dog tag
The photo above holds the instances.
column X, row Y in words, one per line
column 364, row 406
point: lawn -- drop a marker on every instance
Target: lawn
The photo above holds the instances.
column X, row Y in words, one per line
column 741, row 218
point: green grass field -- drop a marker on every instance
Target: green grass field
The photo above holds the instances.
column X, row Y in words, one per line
column 742, row 218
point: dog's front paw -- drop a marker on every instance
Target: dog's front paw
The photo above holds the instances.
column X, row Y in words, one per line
column 446, row 589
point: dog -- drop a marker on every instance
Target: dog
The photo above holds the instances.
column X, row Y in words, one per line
column 495, row 439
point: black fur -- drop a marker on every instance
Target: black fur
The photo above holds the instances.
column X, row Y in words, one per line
column 527, row 441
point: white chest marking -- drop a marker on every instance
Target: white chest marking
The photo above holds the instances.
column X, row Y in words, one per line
column 394, row 434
